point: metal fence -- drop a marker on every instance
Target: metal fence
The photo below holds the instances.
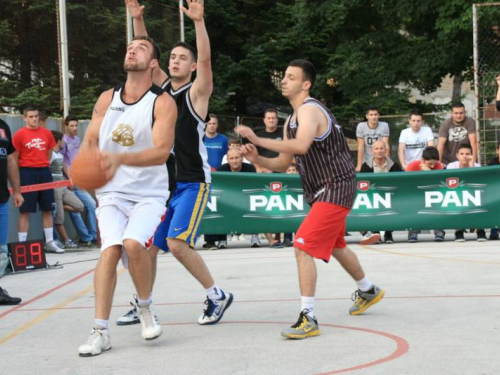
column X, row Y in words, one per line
column 486, row 31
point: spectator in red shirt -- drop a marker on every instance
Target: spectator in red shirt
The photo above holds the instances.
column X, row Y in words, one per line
column 34, row 146
column 429, row 162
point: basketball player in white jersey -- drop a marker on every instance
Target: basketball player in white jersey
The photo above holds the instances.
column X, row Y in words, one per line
column 133, row 126
column 179, row 231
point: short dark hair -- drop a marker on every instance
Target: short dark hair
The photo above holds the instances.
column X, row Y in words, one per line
column 187, row 46
column 57, row 135
column 29, row 108
column 307, row 68
column 211, row 115
column 70, row 118
column 232, row 140
column 465, row 145
column 372, row 107
column 273, row 110
column 156, row 50
column 458, row 105
column 416, row 112
column 430, row 153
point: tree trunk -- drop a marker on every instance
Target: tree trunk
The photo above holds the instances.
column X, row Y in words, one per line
column 457, row 88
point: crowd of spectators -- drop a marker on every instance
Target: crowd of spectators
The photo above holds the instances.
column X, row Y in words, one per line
column 45, row 156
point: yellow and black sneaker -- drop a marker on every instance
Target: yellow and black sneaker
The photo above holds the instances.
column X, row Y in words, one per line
column 304, row 328
column 363, row 300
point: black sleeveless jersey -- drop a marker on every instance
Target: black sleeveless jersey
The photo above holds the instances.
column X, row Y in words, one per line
column 191, row 158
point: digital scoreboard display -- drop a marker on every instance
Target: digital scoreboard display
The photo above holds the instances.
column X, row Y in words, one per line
column 27, row 256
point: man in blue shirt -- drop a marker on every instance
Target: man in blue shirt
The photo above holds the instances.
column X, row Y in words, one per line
column 216, row 144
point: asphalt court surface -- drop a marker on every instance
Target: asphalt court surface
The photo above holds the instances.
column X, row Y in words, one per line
column 440, row 315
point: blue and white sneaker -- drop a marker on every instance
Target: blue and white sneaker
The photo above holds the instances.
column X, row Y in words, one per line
column 215, row 309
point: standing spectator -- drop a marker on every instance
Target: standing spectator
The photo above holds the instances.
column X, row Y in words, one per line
column 69, row 149
column 497, row 79
column 271, row 131
column 368, row 132
column 10, row 171
column 42, row 119
column 65, row 199
column 455, row 131
column 379, row 163
column 413, row 140
column 429, row 162
column 464, row 157
column 216, row 144
column 495, row 161
column 33, row 151
column 234, row 164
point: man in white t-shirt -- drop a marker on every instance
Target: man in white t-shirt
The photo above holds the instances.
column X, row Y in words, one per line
column 414, row 139
column 464, row 160
column 368, row 132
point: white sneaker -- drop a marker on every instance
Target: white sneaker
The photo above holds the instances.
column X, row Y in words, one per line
column 97, row 343
column 255, row 241
column 51, row 247
column 151, row 327
column 215, row 309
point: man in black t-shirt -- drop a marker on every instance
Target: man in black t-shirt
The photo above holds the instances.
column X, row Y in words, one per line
column 271, row 132
column 8, row 171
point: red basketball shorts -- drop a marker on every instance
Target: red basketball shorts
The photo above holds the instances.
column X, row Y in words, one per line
column 322, row 230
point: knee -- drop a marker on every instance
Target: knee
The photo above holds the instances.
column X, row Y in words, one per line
column 177, row 248
column 110, row 257
column 133, row 249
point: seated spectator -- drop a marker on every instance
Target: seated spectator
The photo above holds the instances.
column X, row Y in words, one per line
column 429, row 162
column 234, row 142
column 496, row 161
column 464, row 160
column 70, row 147
column 379, row 163
column 234, row 164
column 64, row 198
column 414, row 139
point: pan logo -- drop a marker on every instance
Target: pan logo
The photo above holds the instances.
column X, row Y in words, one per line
column 453, row 197
column 276, row 187
column 275, row 201
column 373, row 200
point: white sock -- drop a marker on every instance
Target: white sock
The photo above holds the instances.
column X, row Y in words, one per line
column 49, row 234
column 308, row 304
column 144, row 301
column 22, row 236
column 364, row 284
column 214, row 293
column 101, row 323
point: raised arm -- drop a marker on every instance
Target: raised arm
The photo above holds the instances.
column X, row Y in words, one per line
column 137, row 13
column 203, row 84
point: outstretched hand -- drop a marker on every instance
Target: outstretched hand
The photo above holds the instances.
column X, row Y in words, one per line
column 133, row 7
column 249, row 151
column 247, row 133
column 195, row 10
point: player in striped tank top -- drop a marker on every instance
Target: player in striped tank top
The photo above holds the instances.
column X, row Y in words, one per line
column 133, row 126
column 326, row 169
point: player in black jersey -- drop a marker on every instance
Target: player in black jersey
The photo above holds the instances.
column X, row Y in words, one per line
column 179, row 231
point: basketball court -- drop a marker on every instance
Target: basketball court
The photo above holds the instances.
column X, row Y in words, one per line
column 439, row 315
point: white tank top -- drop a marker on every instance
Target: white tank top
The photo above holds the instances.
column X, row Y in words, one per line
column 128, row 128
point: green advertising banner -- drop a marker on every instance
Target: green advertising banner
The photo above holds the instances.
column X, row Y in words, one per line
column 449, row 199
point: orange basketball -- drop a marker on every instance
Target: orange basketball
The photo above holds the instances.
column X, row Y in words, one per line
column 86, row 171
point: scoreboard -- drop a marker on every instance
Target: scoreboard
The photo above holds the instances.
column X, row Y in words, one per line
column 27, row 256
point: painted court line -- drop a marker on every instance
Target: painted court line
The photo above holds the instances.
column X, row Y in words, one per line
column 370, row 248
column 45, row 294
